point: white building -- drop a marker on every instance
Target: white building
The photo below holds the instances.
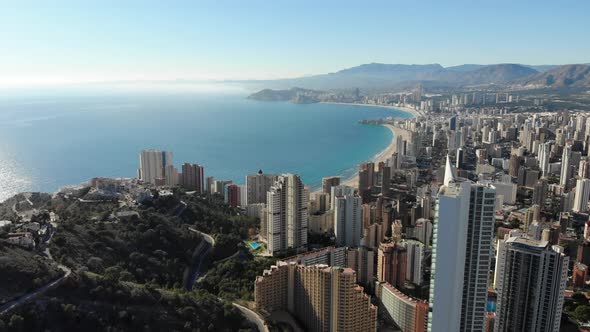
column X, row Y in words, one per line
column 544, row 156
column 287, row 215
column 152, row 165
column 462, row 249
column 582, row 195
column 348, row 223
column 565, row 165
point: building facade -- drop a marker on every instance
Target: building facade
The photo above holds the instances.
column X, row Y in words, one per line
column 287, row 215
column 152, row 165
column 193, row 177
column 348, row 221
column 462, row 250
column 530, row 286
column 409, row 314
column 323, row 298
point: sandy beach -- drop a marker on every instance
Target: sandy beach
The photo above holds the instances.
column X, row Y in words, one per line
column 383, row 155
column 389, row 150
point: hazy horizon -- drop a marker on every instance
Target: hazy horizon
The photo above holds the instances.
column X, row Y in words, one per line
column 77, row 42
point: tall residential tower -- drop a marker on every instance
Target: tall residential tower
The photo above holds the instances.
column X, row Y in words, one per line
column 287, row 215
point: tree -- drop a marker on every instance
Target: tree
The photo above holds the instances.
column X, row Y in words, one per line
column 582, row 313
column 16, row 323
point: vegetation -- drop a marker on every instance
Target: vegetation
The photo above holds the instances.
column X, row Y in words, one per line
column 23, row 271
column 234, row 278
column 91, row 302
column 578, row 308
column 152, row 248
column 128, row 273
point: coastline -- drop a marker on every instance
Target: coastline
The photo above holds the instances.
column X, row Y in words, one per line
column 404, row 109
column 387, row 152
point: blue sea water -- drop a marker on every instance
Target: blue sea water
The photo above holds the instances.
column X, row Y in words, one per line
column 50, row 141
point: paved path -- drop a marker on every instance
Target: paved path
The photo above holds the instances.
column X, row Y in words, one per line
column 5, row 308
column 252, row 317
column 202, row 251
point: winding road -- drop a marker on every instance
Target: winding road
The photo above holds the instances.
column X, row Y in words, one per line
column 202, row 251
column 7, row 307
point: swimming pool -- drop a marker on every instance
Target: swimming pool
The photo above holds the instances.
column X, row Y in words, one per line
column 255, row 245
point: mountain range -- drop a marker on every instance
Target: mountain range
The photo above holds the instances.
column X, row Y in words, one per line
column 379, row 76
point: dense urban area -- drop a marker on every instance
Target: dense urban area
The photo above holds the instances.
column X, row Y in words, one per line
column 475, row 218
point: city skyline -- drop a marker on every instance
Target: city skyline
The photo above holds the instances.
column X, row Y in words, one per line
column 69, row 42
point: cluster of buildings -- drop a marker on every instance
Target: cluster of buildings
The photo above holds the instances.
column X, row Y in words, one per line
column 479, row 221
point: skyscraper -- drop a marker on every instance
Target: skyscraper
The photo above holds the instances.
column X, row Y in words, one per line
column 415, row 256
column 348, row 222
column 287, row 215
column 453, row 123
column 366, row 178
column 530, row 286
column 392, row 264
column 544, row 155
column 152, row 165
column 462, row 247
column 582, row 195
column 171, row 174
column 232, row 195
column 329, row 182
column 193, row 177
column 258, row 185
column 565, row 165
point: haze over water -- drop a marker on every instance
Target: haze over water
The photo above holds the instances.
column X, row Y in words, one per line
column 56, row 140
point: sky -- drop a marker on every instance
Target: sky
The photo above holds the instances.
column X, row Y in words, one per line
column 58, row 41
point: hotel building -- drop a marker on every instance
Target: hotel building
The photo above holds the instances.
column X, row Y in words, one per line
column 323, row 298
column 409, row 314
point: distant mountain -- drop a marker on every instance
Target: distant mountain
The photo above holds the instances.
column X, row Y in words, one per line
column 466, row 67
column 542, row 68
column 496, row 74
column 574, row 76
column 379, row 76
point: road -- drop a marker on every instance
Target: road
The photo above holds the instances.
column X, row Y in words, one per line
column 5, row 308
column 252, row 317
column 202, row 251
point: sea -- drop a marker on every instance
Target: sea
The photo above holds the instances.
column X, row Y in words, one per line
column 53, row 139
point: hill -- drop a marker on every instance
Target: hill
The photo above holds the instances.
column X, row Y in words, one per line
column 572, row 76
column 129, row 265
column 379, row 76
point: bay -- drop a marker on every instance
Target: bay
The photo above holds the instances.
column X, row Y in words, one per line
column 49, row 141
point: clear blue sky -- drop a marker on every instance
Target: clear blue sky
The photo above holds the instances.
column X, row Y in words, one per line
column 84, row 40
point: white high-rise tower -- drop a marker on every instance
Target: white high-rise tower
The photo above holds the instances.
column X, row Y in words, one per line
column 565, row 165
column 152, row 165
column 287, row 215
column 544, row 154
column 582, row 195
column 348, row 223
column 462, row 250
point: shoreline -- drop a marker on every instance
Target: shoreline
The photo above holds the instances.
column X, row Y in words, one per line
column 404, row 109
column 353, row 180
